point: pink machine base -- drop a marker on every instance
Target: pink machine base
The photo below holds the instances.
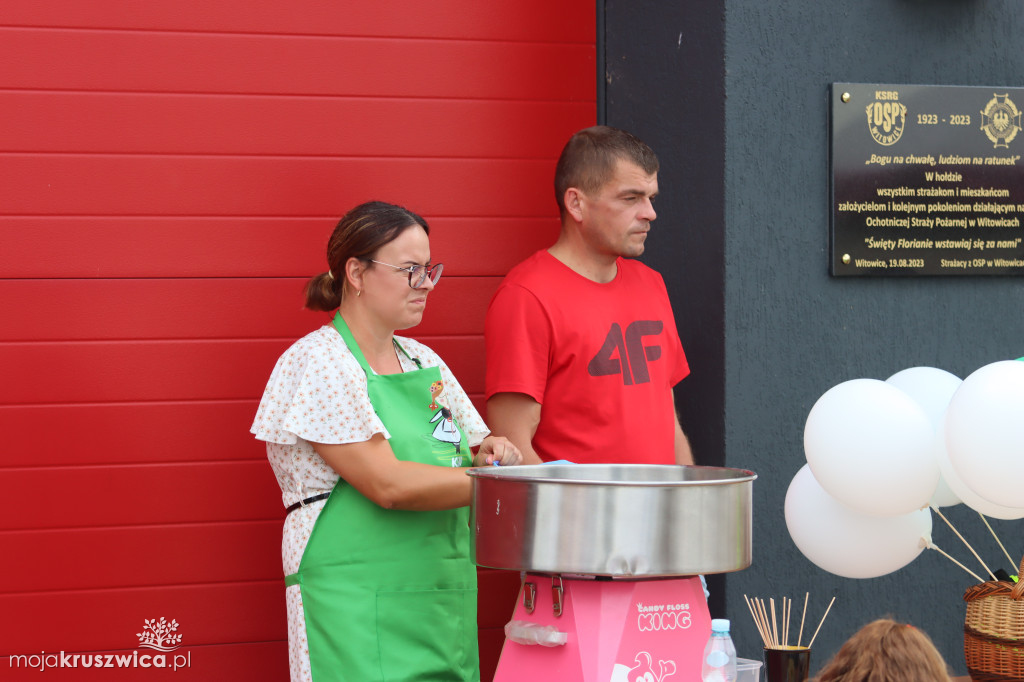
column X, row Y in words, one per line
column 616, row 630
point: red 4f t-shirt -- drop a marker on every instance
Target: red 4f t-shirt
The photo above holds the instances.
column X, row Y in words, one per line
column 601, row 359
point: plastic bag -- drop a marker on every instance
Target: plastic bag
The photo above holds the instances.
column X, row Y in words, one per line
column 525, row 632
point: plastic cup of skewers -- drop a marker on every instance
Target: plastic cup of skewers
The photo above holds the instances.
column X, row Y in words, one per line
column 787, row 663
column 783, row 662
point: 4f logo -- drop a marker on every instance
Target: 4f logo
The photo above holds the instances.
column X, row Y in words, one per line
column 626, row 354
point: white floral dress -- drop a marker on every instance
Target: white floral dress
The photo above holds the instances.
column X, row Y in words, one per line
column 317, row 393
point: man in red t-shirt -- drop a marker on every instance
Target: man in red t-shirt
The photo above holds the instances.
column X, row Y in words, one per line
column 582, row 347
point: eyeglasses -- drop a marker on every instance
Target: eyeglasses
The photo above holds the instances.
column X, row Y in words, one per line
column 418, row 274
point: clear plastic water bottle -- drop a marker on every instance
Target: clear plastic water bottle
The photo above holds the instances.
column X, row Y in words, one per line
column 719, row 663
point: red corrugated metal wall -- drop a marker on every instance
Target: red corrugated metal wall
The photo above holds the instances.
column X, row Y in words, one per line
column 169, row 173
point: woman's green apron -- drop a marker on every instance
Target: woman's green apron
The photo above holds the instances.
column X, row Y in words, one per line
column 388, row 594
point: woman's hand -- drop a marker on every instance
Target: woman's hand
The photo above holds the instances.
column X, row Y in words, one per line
column 497, row 449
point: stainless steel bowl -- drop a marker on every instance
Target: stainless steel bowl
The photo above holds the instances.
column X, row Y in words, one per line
column 626, row 520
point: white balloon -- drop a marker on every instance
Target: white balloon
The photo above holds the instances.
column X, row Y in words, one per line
column 869, row 445
column 966, row 495
column 985, row 432
column 932, row 389
column 848, row 543
column 944, row 496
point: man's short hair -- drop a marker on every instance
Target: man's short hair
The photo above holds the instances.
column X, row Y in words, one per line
column 589, row 157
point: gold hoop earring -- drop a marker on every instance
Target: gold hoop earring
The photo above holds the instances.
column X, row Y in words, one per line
column 359, row 292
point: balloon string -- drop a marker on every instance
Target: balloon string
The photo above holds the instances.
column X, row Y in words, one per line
column 985, row 521
column 931, row 545
column 987, row 569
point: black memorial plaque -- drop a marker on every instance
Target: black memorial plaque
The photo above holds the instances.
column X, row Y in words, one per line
column 926, row 180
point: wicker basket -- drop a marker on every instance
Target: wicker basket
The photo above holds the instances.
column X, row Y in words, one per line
column 994, row 630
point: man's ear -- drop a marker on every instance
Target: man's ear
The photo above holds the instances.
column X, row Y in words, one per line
column 573, row 201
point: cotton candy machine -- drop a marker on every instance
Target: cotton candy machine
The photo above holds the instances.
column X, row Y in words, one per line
column 609, row 555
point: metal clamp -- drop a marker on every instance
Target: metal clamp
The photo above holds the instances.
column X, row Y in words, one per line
column 556, row 596
column 529, row 596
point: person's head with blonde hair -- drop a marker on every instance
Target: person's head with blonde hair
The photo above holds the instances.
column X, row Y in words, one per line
column 886, row 651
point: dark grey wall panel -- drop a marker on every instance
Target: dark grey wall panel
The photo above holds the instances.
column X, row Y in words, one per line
column 737, row 111
column 664, row 82
column 792, row 332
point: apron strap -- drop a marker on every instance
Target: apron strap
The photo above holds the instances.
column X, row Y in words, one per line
column 419, row 365
column 350, row 341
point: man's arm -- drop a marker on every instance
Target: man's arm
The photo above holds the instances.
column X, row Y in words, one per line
column 516, row 416
column 683, row 453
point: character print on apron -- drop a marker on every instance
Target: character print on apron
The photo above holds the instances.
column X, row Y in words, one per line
column 390, row 595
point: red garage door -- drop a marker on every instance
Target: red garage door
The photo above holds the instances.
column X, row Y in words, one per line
column 169, row 173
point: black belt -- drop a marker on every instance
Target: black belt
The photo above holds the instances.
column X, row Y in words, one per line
column 306, row 502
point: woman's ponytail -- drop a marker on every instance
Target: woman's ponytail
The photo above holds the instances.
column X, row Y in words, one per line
column 322, row 293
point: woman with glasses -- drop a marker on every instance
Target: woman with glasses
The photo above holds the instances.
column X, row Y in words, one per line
column 369, row 435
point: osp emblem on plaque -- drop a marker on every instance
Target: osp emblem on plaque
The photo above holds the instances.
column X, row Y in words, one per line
column 1000, row 120
column 886, row 117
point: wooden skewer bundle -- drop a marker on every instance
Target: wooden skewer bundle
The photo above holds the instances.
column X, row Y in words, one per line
column 769, row 630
